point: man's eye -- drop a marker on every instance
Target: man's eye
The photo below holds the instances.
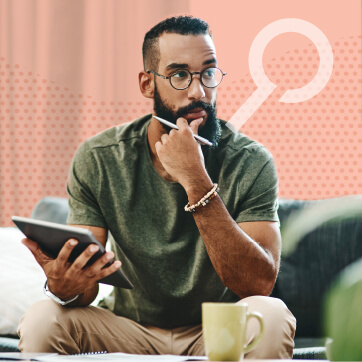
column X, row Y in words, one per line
column 180, row 74
column 209, row 73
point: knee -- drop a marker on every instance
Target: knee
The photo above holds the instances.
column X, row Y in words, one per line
column 46, row 327
column 279, row 325
column 275, row 312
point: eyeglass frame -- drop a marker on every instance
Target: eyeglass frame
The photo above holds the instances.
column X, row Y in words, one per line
column 191, row 74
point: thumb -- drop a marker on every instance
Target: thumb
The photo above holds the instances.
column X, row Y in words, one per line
column 30, row 244
column 194, row 125
column 40, row 257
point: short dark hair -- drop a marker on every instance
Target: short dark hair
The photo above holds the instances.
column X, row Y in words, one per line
column 184, row 25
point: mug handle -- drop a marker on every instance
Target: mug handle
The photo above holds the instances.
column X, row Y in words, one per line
column 259, row 317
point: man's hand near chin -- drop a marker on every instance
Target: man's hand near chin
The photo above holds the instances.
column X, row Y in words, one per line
column 181, row 155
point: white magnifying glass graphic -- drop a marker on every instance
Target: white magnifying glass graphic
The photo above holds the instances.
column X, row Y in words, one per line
column 265, row 86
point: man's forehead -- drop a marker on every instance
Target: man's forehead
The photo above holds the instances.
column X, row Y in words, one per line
column 185, row 49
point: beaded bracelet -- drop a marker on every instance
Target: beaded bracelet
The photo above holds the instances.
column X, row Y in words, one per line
column 205, row 200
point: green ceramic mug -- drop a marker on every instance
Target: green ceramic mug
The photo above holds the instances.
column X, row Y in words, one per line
column 224, row 330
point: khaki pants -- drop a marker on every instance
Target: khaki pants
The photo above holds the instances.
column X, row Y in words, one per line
column 49, row 327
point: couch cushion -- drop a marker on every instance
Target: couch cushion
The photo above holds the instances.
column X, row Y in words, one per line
column 21, row 282
column 310, row 353
column 9, row 344
column 307, row 273
column 53, row 209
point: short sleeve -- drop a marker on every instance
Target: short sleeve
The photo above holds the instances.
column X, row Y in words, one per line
column 82, row 189
column 260, row 202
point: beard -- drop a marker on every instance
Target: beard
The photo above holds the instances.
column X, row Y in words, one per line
column 211, row 130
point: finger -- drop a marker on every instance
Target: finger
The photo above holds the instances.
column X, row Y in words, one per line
column 30, row 244
column 181, row 123
column 99, row 264
column 164, row 138
column 194, row 125
column 108, row 270
column 158, row 146
column 66, row 250
column 35, row 249
column 83, row 258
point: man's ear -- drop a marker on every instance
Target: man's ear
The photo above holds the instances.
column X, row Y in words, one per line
column 146, row 85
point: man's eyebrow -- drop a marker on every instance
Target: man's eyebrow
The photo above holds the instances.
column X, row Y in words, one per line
column 210, row 61
column 176, row 66
column 173, row 66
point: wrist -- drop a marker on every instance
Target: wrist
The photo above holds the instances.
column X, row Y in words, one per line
column 57, row 299
column 198, row 188
column 204, row 200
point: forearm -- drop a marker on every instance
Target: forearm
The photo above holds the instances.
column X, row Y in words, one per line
column 243, row 265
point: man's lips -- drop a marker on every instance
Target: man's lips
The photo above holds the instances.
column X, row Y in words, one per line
column 195, row 113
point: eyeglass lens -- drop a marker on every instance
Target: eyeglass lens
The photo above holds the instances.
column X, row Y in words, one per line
column 210, row 77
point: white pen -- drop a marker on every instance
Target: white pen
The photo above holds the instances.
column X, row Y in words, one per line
column 171, row 125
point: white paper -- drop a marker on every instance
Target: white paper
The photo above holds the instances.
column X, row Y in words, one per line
column 124, row 357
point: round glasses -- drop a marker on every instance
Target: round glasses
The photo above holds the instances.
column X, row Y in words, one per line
column 182, row 78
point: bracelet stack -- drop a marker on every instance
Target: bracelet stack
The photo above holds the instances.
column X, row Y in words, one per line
column 205, row 200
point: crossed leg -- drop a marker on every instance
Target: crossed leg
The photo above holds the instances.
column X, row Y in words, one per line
column 49, row 327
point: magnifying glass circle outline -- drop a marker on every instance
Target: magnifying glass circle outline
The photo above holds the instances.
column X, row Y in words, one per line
column 292, row 25
column 265, row 86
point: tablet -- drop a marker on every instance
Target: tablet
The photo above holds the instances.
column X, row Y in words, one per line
column 51, row 237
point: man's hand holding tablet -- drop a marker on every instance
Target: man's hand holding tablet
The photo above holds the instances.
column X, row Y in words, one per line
column 73, row 259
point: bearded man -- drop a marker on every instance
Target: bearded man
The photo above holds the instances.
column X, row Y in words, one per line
column 190, row 223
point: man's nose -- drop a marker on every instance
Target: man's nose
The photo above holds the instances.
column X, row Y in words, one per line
column 196, row 89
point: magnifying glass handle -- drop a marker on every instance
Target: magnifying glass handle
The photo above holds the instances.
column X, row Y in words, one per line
column 249, row 107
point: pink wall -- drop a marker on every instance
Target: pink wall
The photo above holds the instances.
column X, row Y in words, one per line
column 68, row 69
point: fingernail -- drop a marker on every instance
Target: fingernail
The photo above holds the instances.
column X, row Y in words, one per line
column 117, row 264
column 109, row 256
column 93, row 248
column 73, row 242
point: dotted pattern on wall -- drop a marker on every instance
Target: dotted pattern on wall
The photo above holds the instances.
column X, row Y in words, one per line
column 41, row 126
column 315, row 144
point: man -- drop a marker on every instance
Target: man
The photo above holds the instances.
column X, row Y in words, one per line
column 134, row 181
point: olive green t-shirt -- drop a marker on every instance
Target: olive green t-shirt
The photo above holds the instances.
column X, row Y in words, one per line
column 113, row 184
